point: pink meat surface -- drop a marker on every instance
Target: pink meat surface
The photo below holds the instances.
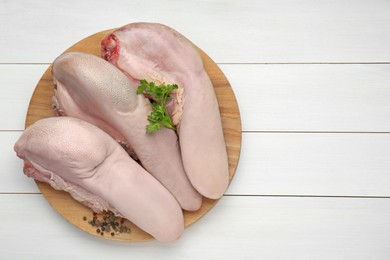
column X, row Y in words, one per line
column 75, row 156
column 92, row 89
column 158, row 53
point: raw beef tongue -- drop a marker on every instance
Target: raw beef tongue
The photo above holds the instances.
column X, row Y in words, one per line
column 75, row 156
column 158, row 53
column 92, row 89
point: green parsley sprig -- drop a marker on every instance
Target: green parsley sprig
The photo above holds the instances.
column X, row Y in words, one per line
column 160, row 94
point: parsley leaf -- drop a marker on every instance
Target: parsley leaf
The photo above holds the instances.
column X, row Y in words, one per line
column 160, row 94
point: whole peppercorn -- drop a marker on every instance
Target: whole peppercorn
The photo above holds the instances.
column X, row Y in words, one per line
column 108, row 223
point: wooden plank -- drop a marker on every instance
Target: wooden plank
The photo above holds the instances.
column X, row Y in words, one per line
column 312, row 97
column 270, row 97
column 17, row 85
column 249, row 31
column 12, row 178
column 237, row 228
column 276, row 164
column 313, row 164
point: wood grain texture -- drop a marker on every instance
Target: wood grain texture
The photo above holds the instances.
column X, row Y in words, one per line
column 12, row 179
column 40, row 107
column 313, row 164
column 308, row 164
column 312, row 97
column 242, row 31
column 17, row 84
column 288, row 97
column 248, row 228
column 337, row 97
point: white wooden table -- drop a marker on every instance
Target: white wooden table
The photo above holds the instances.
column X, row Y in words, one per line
column 312, row 79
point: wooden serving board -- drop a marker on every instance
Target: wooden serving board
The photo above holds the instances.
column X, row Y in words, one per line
column 73, row 211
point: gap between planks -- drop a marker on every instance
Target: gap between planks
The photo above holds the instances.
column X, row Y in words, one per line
column 251, row 195
column 246, row 63
column 307, row 63
column 268, row 132
column 310, row 132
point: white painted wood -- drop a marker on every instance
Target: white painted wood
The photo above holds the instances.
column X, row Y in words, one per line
column 12, row 179
column 319, row 98
column 312, row 97
column 270, row 97
column 17, row 83
column 237, row 228
column 313, row 164
column 228, row 30
column 276, row 164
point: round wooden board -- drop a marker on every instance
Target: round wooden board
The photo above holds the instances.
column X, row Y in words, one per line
column 73, row 211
